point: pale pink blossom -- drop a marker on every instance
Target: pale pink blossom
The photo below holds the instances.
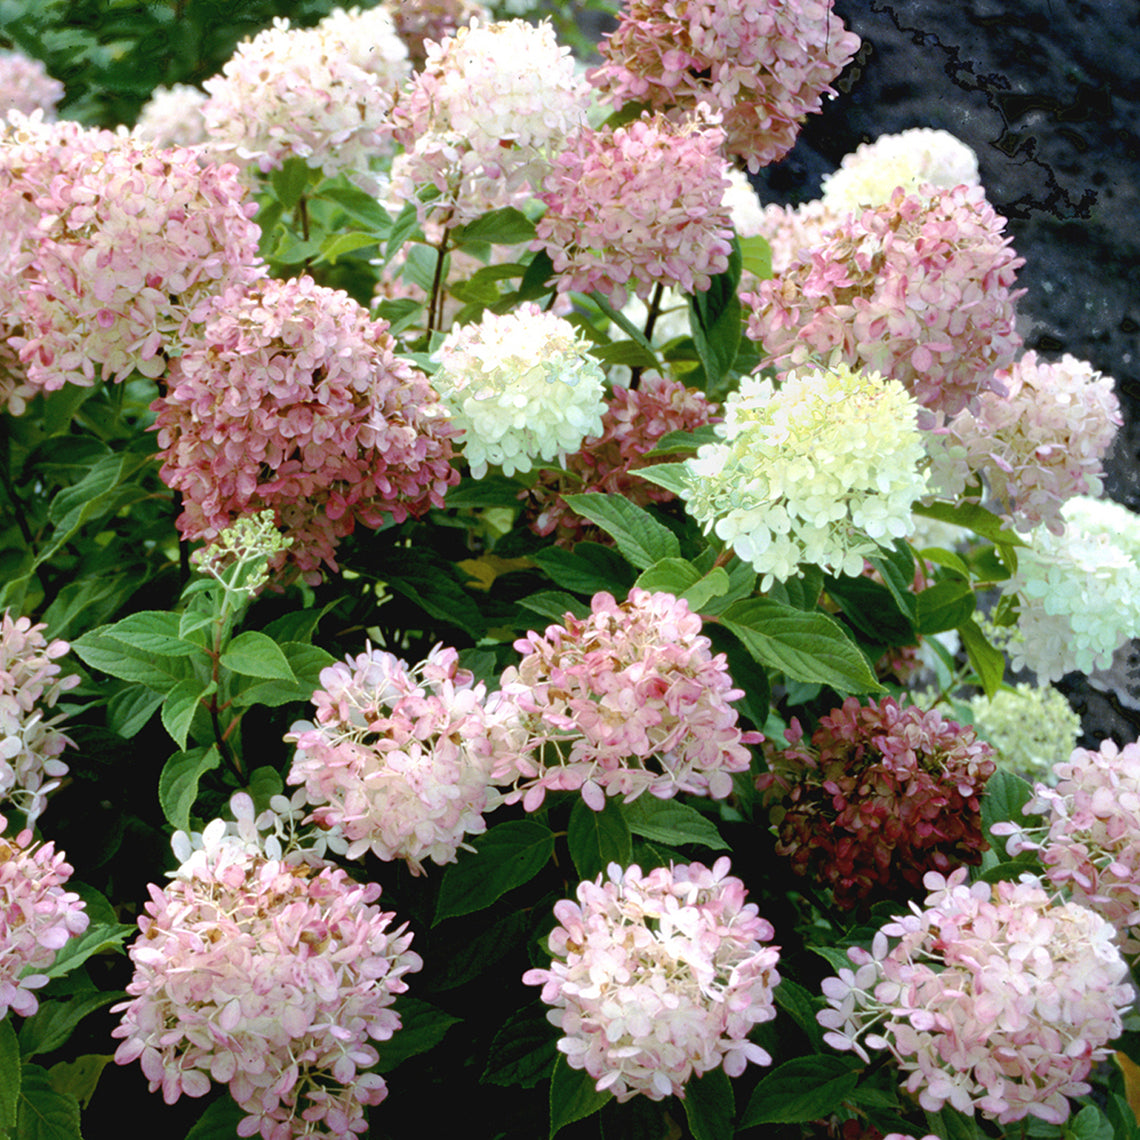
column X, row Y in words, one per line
column 172, row 116
column 273, row 979
column 37, row 917
column 658, row 978
column 765, row 64
column 30, row 740
column 919, row 290
column 399, row 758
column 992, row 999
column 637, row 206
column 626, row 701
column 419, row 22
column 291, row 398
column 25, row 86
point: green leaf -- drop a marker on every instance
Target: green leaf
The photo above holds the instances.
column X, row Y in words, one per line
column 799, row 1004
column 219, row 1121
column 672, row 822
column 972, row 517
column 472, row 957
column 715, row 319
column 9, row 1076
column 306, row 661
column 986, row 661
column 555, row 604
column 586, row 569
column 949, row 1124
column 676, row 441
column 945, row 605
column 672, row 476
column 255, row 654
column 94, row 940
column 178, row 784
column 155, row 631
column 625, row 352
column 639, row 536
column 804, row 1089
column 1005, row 797
column 572, row 1096
column 129, row 710
column 524, row 1049
column 422, row 1028
column 51, row 1025
column 290, row 180
column 505, row 857
column 872, row 610
column 1089, row 1124
column 741, row 583
column 181, row 704
column 946, row 558
column 337, row 245
column 896, row 566
column 671, row 575
column 359, row 206
column 804, row 647
column 79, row 1078
column 433, row 585
column 44, row 1113
column 102, row 651
column 507, row 226
column 598, row 838
column 756, row 255
column 710, row 1106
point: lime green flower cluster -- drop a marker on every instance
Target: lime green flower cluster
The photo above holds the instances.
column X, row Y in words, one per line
column 1031, row 727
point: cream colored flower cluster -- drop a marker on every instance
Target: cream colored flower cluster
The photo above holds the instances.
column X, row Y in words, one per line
column 817, row 471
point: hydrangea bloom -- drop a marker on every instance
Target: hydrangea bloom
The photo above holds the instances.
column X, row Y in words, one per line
column 633, row 424
column 240, row 555
column 994, row 999
column 638, row 206
column 519, row 387
column 124, row 244
column 912, row 159
column 299, row 93
column 271, row 978
column 918, row 289
column 420, row 21
column 399, row 758
column 659, row 977
column 25, row 86
column 1091, row 845
column 817, row 471
column 1080, row 591
column 30, row 742
column 881, row 795
column 625, row 701
column 172, row 116
column 764, row 63
column 37, row 917
column 1038, row 444
column 482, row 118
column 291, row 398
column 1031, row 728
column 372, row 43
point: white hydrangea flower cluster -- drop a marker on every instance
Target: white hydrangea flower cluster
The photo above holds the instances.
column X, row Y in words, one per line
column 1031, row 727
column 816, row 471
column 172, row 116
column 519, row 387
column 1080, row 591
column 872, row 172
column 373, row 43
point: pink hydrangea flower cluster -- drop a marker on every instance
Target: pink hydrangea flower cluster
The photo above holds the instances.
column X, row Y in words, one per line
column 635, row 421
column 299, row 93
column 419, row 22
column 117, row 246
column 273, row 979
column 483, row 117
column 400, row 757
column 30, row 742
column 625, row 701
column 919, row 290
column 25, row 86
column 659, row 977
column 881, row 795
column 764, row 63
column 291, row 398
column 993, row 999
column 1091, row 846
column 1038, row 445
column 37, row 917
column 638, row 206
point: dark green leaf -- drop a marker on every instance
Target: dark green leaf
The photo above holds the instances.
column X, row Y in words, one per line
column 290, row 181
column 572, row 1096
column 945, row 605
column 672, row 822
column 79, row 1078
column 676, row 441
column 1089, row 1124
column 555, row 604
column 987, row 662
column 471, row 957
column 106, row 653
column 219, row 1121
column 51, row 1025
column 178, row 784
column 950, row 1124
column 598, row 838
column 972, row 517
column 715, row 319
column 9, row 1076
column 741, row 583
column 710, row 1106
column 129, row 710
column 896, row 566
column 422, row 1028
column 672, row 476
column 524, row 1050
column 45, row 1114
column 804, row 1089
column 872, row 610
column 799, row 1004
column 337, row 245
column 639, row 536
column 804, row 647
column 253, row 654
column 505, row 857
column 587, row 569
column 506, row 226
column 94, row 940
column 180, row 705
column 1005, row 797
column 359, row 206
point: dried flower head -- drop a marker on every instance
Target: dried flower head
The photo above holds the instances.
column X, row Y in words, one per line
column 765, row 64
column 659, row 977
column 818, row 471
column 880, row 796
column 993, row 998
column 519, row 387
column 625, row 701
